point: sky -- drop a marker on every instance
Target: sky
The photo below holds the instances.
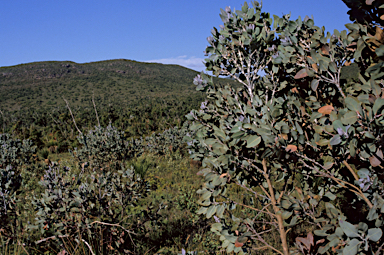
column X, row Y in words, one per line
column 162, row 31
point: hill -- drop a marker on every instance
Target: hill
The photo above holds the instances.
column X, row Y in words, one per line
column 43, row 84
column 139, row 98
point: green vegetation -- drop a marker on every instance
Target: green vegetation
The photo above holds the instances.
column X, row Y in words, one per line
column 121, row 82
column 303, row 143
column 92, row 201
column 292, row 160
column 135, row 137
column 138, row 98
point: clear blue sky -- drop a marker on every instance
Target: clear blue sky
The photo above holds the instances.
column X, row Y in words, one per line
column 166, row 31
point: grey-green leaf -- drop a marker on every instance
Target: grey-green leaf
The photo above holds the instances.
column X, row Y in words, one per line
column 286, row 214
column 211, row 210
column 253, row 141
column 378, row 104
column 352, row 247
column 349, row 118
column 335, row 140
column 349, row 229
column 353, row 104
column 220, row 211
column 202, row 210
column 374, row 234
column 314, row 84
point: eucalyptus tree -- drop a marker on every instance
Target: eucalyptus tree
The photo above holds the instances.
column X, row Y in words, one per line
column 296, row 135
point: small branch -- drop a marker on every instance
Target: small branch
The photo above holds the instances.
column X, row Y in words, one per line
column 23, row 247
column 265, row 222
column 342, row 183
column 264, row 190
column 267, row 245
column 266, row 231
column 89, row 247
column 58, row 124
column 94, row 106
column 262, row 210
column 250, row 190
column 69, row 108
column 117, row 225
column 2, row 114
column 351, row 170
column 249, row 207
column 113, row 225
column 261, row 248
column 49, row 238
column 378, row 251
column 338, row 83
column 358, row 192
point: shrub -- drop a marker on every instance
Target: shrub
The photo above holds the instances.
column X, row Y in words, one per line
column 105, row 148
column 13, row 155
column 92, row 208
column 171, row 140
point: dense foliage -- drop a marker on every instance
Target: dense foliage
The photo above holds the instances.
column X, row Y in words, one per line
column 14, row 154
column 87, row 207
column 138, row 98
column 106, row 148
column 98, row 201
column 302, row 142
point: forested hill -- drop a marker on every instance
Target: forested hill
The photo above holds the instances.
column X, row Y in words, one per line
column 43, row 84
column 138, row 98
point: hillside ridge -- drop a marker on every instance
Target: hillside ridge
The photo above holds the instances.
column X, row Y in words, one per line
column 125, row 81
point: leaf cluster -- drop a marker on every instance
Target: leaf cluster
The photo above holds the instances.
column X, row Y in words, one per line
column 294, row 137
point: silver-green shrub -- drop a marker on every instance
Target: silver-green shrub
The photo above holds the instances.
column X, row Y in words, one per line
column 106, row 148
column 89, row 208
column 303, row 144
column 13, row 155
column 171, row 140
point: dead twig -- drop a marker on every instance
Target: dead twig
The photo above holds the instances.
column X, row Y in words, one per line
column 69, row 108
column 351, row 170
column 117, row 225
column 49, row 238
column 94, row 106
column 89, row 247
